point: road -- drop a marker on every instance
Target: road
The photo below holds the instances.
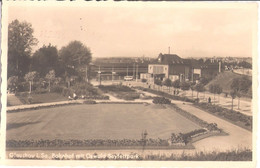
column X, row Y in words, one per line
column 237, row 138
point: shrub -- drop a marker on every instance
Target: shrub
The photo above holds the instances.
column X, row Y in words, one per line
column 57, row 89
column 161, row 100
column 40, row 90
column 144, row 80
column 90, row 102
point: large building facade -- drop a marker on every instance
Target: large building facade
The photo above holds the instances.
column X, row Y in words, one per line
column 175, row 68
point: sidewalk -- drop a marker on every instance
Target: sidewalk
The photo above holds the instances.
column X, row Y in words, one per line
column 245, row 106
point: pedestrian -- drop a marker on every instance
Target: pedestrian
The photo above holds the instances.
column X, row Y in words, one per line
column 75, row 96
column 209, row 100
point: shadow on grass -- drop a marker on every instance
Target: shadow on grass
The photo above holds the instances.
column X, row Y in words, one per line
column 10, row 126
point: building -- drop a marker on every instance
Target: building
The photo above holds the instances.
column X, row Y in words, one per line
column 176, row 68
column 169, row 66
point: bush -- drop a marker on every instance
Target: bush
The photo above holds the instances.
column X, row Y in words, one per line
column 161, row 100
column 144, row 80
column 40, row 90
column 90, row 102
column 237, row 117
column 57, row 89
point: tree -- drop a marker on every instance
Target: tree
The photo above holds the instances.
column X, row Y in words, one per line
column 45, row 59
column 192, row 87
column 20, row 42
column 167, row 83
column 50, row 77
column 75, row 55
column 176, row 84
column 12, row 83
column 199, row 88
column 184, row 86
column 245, row 64
column 219, row 91
column 29, row 77
column 240, row 85
column 215, row 89
column 233, row 95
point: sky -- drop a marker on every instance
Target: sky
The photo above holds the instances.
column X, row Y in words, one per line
column 144, row 30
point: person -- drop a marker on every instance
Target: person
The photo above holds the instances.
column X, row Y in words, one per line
column 70, row 98
column 209, row 100
column 75, row 96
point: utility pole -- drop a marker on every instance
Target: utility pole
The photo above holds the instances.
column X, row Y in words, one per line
column 133, row 70
column 127, row 70
column 169, row 49
column 112, row 73
column 99, row 72
column 136, row 72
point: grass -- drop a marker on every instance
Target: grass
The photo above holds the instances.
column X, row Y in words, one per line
column 41, row 98
column 225, row 80
column 99, row 121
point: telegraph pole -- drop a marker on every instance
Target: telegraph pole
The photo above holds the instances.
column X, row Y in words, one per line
column 99, row 72
column 136, row 72
column 133, row 70
column 112, row 73
column 127, row 70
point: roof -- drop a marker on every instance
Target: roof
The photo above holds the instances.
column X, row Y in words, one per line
column 168, row 59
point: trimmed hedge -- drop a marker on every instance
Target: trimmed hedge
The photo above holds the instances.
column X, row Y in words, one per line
column 167, row 95
column 161, row 100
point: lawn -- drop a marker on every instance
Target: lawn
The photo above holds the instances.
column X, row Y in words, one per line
column 42, row 98
column 99, row 121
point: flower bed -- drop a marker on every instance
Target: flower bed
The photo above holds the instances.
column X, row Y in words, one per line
column 202, row 123
column 84, row 143
column 120, row 91
column 234, row 116
column 161, row 100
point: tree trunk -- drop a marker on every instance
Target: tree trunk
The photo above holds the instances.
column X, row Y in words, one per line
column 197, row 95
column 232, row 104
column 30, row 87
column 192, row 94
column 214, row 98
column 49, row 86
column 238, row 103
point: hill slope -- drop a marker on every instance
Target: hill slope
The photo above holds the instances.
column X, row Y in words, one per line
column 225, row 79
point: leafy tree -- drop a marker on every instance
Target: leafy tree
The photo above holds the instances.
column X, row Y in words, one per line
column 20, row 42
column 12, row 83
column 158, row 82
column 192, row 87
column 176, row 84
column 75, row 55
column 204, row 81
column 29, row 77
column 219, row 91
column 215, row 89
column 241, row 85
column 199, row 88
column 233, row 95
column 245, row 64
column 167, row 83
column 184, row 86
column 50, row 77
column 45, row 59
